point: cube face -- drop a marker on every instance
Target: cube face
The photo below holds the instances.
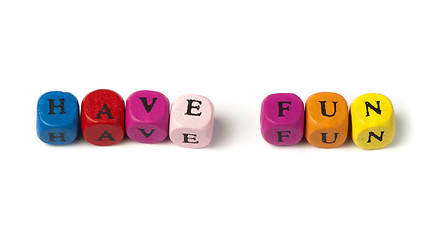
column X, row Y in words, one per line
column 147, row 116
column 102, row 117
column 191, row 121
column 282, row 119
column 327, row 120
column 57, row 118
column 373, row 121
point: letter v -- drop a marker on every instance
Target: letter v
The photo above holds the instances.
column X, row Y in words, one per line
column 146, row 134
column 146, row 104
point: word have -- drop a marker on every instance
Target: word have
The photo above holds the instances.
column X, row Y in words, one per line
column 105, row 120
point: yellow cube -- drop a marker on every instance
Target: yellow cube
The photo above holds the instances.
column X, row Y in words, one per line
column 373, row 121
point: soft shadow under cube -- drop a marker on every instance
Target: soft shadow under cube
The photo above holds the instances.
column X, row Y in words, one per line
column 282, row 119
column 191, row 121
column 57, row 118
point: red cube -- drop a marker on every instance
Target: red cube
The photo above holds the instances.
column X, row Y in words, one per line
column 102, row 117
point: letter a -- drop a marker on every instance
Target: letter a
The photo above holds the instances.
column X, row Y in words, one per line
column 107, row 135
column 104, row 110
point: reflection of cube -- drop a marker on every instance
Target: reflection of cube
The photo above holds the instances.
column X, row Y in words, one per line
column 102, row 115
column 57, row 118
column 147, row 116
column 191, row 121
column 373, row 121
column 326, row 119
column 282, row 119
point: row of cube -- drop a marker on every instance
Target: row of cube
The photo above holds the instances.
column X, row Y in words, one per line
column 104, row 120
column 148, row 118
column 324, row 120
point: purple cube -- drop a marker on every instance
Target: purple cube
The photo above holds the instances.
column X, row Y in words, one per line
column 282, row 119
column 147, row 116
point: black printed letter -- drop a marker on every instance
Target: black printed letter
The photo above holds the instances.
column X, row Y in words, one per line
column 146, row 105
column 190, row 107
column 282, row 108
column 280, row 135
column 146, row 134
column 52, row 106
column 187, row 138
column 107, row 135
column 52, row 137
column 376, row 109
column 372, row 134
column 322, row 103
column 105, row 110
column 324, row 138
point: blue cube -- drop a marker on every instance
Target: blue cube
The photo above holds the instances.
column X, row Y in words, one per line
column 57, row 119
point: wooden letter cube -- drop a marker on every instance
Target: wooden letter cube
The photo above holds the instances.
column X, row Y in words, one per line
column 282, row 119
column 191, row 121
column 373, row 121
column 147, row 116
column 57, row 118
column 326, row 120
column 103, row 117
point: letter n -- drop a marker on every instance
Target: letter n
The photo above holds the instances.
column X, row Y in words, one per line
column 376, row 109
column 372, row 134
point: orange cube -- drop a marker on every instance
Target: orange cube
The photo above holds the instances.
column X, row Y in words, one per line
column 326, row 123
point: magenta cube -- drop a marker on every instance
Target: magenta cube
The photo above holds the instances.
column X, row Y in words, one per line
column 147, row 116
column 282, row 119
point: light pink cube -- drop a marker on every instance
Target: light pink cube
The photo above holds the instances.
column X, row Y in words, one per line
column 191, row 121
column 147, row 116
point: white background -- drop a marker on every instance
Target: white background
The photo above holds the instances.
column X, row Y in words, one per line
column 235, row 53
